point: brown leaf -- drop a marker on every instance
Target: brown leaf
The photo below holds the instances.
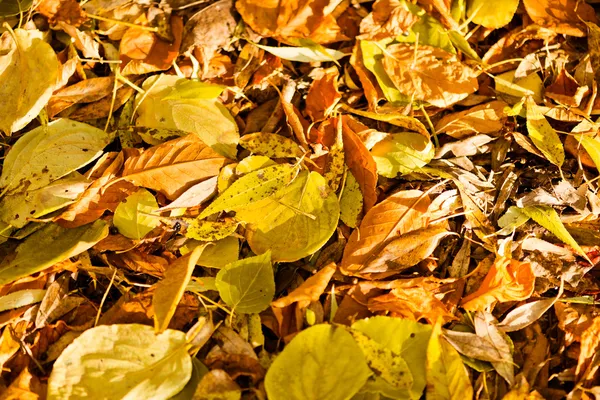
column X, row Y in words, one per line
column 360, row 161
column 566, row 90
column 138, row 261
column 590, row 346
column 103, row 107
column 210, row 29
column 575, row 319
column 323, row 93
column 429, row 74
column 507, row 280
column 389, row 19
column 68, row 11
column 371, row 88
column 86, row 91
column 97, row 198
column 561, row 16
column 286, row 20
column 484, row 118
column 398, row 214
column 413, row 303
column 174, row 166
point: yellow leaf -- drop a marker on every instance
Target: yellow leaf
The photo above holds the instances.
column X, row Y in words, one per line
column 28, row 72
column 170, row 289
column 447, row 377
column 543, row 136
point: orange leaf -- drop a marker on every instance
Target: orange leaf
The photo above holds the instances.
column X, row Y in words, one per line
column 484, row 118
column 561, row 16
column 360, row 161
column 507, row 280
column 174, row 166
column 400, row 213
column 429, row 74
column 323, row 94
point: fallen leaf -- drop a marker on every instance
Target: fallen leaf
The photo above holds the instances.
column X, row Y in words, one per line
column 485, row 118
column 447, row 377
column 247, row 286
column 169, row 291
column 323, row 94
column 543, row 135
column 445, row 82
column 507, row 280
column 271, row 145
column 562, row 16
column 139, row 361
column 322, row 353
column 24, row 92
column 492, row 15
column 133, row 217
column 174, row 166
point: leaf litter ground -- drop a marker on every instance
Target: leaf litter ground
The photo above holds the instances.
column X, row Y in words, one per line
column 386, row 199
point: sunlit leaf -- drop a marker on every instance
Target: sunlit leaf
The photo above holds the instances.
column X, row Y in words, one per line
column 543, row 135
column 351, row 202
column 137, row 362
column 247, row 286
column 133, row 217
column 270, row 145
column 21, row 298
column 50, row 152
column 296, row 221
column 28, row 72
column 447, row 377
column 58, row 243
column 492, row 15
column 304, row 54
column 402, row 153
column 323, row 353
column 210, row 231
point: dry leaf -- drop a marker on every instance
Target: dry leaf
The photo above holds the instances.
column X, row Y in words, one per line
column 562, row 16
column 485, row 118
column 507, row 280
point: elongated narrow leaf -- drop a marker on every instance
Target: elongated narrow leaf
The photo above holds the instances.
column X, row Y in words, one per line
column 543, row 136
column 252, row 188
column 133, row 217
column 138, row 363
column 485, row 326
column 174, row 166
column 28, row 72
column 323, row 353
column 58, row 244
column 547, row 217
column 170, row 289
column 295, row 222
column 304, row 54
column 21, row 298
column 351, row 202
column 248, row 285
column 447, row 377
column 50, row 152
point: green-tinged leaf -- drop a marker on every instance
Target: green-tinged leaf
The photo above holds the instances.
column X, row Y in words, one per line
column 210, row 231
column 395, row 119
column 121, row 362
column 336, row 161
column 201, row 285
column 16, row 209
column 402, row 153
column 511, row 220
column 313, row 53
column 321, row 362
column 513, row 90
column 160, row 107
column 373, row 61
column 50, row 152
column 21, row 298
column 248, row 285
column 296, row 221
column 198, row 372
column 133, row 216
column 253, row 163
column 188, row 89
column 459, row 41
column 218, row 254
column 58, row 244
column 252, row 188
column 592, row 146
column 543, row 136
column 271, row 145
column 547, row 217
column 217, row 385
column 9, row 8
column 170, row 289
column 351, row 201
column 401, row 336
column 391, row 369
column 490, row 14
column 28, row 73
column 429, row 31
column 447, row 377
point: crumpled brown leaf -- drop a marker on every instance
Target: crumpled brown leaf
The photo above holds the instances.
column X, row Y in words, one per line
column 389, row 19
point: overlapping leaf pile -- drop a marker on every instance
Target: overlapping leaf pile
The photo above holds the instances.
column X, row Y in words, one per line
column 387, row 199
